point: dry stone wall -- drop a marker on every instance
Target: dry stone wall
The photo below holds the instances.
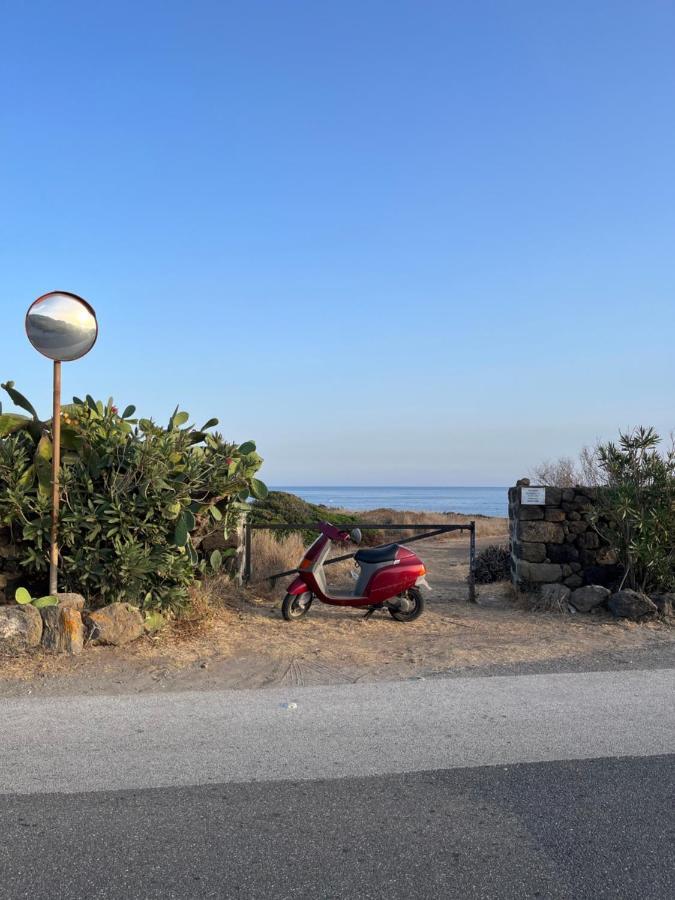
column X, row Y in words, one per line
column 555, row 542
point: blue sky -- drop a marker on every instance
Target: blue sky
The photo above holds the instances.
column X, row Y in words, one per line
column 394, row 242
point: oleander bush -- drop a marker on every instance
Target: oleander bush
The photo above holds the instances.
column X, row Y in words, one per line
column 636, row 508
column 136, row 498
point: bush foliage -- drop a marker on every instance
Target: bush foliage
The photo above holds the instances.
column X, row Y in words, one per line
column 493, row 563
column 636, row 513
column 279, row 507
column 135, row 497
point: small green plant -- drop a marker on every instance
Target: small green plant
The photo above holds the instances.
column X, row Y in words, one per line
column 23, row 598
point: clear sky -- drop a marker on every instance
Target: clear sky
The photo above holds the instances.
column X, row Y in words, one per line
column 394, row 242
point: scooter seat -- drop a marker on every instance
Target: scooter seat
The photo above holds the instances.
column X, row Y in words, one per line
column 377, row 554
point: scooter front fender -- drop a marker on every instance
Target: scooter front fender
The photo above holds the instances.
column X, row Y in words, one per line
column 298, row 586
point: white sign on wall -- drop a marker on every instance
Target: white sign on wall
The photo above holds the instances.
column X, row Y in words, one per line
column 533, row 496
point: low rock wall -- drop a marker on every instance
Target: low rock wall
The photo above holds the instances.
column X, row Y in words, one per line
column 556, row 542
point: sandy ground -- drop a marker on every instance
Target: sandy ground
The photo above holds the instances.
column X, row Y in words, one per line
column 244, row 643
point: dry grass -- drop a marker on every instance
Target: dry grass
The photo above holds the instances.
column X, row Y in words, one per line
column 270, row 554
column 486, row 526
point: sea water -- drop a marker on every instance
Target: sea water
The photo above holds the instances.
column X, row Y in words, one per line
column 484, row 501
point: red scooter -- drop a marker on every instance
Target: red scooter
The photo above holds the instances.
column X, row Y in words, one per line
column 388, row 578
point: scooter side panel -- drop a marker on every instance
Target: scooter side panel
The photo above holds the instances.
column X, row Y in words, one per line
column 393, row 580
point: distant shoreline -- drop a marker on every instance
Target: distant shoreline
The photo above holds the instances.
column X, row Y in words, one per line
column 462, row 500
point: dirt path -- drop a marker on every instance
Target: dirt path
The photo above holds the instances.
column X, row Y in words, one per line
column 247, row 644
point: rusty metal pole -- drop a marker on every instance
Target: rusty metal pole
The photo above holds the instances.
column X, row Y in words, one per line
column 472, row 563
column 56, row 463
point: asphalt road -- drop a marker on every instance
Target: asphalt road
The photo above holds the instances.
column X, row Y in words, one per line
column 523, row 786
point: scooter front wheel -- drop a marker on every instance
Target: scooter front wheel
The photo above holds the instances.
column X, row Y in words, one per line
column 414, row 596
column 295, row 606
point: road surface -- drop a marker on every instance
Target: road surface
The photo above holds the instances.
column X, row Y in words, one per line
column 549, row 785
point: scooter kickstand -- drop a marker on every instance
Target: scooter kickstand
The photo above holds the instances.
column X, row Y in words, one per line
column 369, row 612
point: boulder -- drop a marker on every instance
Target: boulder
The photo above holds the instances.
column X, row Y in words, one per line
column 63, row 630
column 628, row 604
column 587, row 598
column 606, row 557
column 20, row 628
column 117, row 624
column 541, row 532
column 554, row 596
column 70, row 601
column 664, row 603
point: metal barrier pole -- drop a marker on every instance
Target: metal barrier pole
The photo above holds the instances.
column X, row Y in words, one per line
column 247, row 553
column 472, row 564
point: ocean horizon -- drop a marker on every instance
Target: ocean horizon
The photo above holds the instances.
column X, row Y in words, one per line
column 479, row 501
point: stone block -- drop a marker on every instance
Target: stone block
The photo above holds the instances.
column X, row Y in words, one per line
column 70, row 601
column 530, row 513
column 555, row 515
column 628, row 604
column 562, row 553
column 574, row 581
column 553, row 496
column 541, row 532
column 117, row 624
column 568, row 495
column 538, row 573
column 664, row 603
column 590, row 540
column 587, row 598
column 554, row 596
column 63, row 630
column 531, row 552
column 20, row 628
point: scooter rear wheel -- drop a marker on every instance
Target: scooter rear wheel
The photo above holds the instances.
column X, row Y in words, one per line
column 416, row 610
column 295, row 606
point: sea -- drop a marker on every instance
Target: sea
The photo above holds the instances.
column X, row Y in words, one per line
column 473, row 501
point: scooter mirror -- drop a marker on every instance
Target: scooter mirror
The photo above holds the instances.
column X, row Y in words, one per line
column 356, row 535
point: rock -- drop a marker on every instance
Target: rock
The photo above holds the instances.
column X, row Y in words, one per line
column 590, row 540
column 574, row 581
column 555, row 515
column 530, row 513
column 63, row 629
column 8, row 551
column 117, row 624
column 628, row 604
column 553, row 496
column 20, row 628
column 536, row 573
column 554, row 596
column 577, row 527
column 568, row 495
column 70, row 601
column 523, row 482
column 541, row 532
column 587, row 598
column 664, row 603
column 531, row 552
column 562, row 553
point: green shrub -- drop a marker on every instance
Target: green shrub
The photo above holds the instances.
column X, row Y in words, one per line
column 136, row 496
column 279, row 507
column 636, row 510
column 493, row 563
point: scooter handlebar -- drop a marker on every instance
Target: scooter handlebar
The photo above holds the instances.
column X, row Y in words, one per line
column 332, row 532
